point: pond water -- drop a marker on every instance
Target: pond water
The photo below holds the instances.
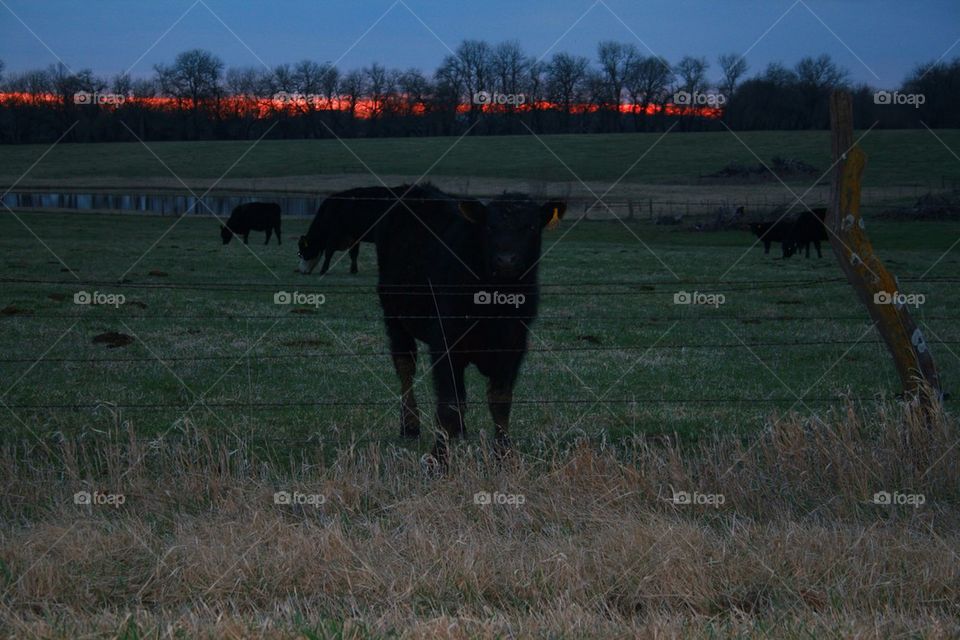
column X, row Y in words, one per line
column 164, row 204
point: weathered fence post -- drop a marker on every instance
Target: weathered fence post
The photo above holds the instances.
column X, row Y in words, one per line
column 875, row 286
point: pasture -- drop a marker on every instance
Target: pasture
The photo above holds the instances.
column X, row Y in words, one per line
column 779, row 400
column 195, row 391
column 611, row 357
column 897, row 157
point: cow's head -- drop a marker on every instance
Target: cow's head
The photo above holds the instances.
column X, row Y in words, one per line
column 225, row 234
column 309, row 254
column 509, row 227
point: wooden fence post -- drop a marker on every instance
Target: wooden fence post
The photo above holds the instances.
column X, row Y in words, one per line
column 875, row 286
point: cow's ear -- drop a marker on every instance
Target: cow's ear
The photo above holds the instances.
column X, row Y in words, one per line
column 551, row 213
column 473, row 211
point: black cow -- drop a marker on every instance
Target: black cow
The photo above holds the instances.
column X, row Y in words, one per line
column 252, row 216
column 461, row 277
column 343, row 221
column 779, row 231
column 809, row 228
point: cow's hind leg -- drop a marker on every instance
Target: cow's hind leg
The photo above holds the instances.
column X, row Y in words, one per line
column 403, row 350
column 816, row 243
column 354, row 254
column 278, row 234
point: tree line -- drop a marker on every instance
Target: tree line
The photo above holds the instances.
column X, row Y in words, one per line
column 481, row 88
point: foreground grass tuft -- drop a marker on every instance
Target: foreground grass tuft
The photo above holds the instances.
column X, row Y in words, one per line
column 781, row 536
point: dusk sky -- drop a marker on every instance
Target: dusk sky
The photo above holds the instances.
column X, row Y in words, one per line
column 110, row 36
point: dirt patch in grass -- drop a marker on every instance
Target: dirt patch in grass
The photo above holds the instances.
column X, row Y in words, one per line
column 112, row 339
column 14, row 310
column 305, row 343
column 157, row 273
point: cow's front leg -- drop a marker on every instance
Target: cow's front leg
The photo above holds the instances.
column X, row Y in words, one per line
column 354, row 254
column 269, row 231
column 451, row 403
column 246, row 238
column 403, row 350
column 500, row 401
column 328, row 254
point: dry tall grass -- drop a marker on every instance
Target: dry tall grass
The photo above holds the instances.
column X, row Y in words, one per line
column 598, row 547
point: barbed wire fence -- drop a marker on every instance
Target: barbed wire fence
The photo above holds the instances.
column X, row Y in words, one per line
column 591, row 288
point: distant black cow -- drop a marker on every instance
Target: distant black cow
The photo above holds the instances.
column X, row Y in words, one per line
column 252, row 216
column 778, row 231
column 461, row 277
column 809, row 228
column 343, row 221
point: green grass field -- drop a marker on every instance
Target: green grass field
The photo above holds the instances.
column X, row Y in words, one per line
column 612, row 356
column 895, row 157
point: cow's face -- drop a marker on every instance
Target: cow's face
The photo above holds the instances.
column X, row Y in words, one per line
column 510, row 229
column 309, row 253
column 225, row 234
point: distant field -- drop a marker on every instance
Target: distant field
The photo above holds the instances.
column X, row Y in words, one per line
column 612, row 356
column 895, row 157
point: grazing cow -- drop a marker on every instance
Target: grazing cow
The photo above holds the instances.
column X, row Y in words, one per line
column 252, row 216
column 343, row 221
column 462, row 278
column 778, row 231
column 809, row 228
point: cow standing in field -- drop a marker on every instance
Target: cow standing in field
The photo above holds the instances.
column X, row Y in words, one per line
column 779, row 231
column 461, row 277
column 252, row 216
column 343, row 221
column 810, row 227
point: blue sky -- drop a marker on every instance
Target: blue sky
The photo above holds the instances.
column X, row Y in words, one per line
column 108, row 36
